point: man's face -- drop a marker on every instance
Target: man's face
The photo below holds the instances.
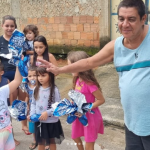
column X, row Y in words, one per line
column 129, row 22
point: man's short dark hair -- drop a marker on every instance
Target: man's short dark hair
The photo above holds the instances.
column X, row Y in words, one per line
column 1, row 67
column 138, row 4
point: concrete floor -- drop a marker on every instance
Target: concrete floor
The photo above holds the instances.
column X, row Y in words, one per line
column 113, row 139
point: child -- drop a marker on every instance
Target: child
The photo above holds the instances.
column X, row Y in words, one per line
column 6, row 136
column 86, row 83
column 4, row 81
column 41, row 51
column 30, row 31
column 32, row 77
column 49, row 129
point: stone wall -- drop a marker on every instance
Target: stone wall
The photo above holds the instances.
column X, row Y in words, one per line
column 65, row 22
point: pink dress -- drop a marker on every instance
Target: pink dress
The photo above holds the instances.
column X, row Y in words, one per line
column 95, row 121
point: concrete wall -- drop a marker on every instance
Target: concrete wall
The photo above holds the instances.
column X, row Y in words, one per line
column 65, row 22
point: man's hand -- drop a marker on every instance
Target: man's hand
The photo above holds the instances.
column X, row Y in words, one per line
column 49, row 66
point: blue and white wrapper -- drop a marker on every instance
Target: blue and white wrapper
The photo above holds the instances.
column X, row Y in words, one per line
column 24, row 85
column 22, row 66
column 18, row 110
column 77, row 104
column 65, row 107
column 35, row 117
column 15, row 46
column 26, row 46
column 78, row 98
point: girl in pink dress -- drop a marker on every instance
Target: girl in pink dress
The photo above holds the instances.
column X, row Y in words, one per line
column 86, row 83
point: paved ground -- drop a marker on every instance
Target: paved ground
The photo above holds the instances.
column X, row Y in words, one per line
column 113, row 139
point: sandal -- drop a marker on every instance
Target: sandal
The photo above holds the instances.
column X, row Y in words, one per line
column 47, row 148
column 33, row 146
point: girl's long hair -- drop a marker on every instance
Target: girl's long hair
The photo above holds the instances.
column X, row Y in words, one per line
column 42, row 39
column 87, row 76
column 41, row 70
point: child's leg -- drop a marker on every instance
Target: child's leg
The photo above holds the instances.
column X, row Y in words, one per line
column 47, row 147
column 21, row 95
column 25, row 127
column 52, row 146
column 89, row 146
column 33, row 144
column 16, row 142
column 78, row 141
column 7, row 140
column 41, row 147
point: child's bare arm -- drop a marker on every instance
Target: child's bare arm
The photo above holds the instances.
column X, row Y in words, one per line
column 31, row 59
column 52, row 59
column 29, row 52
column 10, row 96
column 27, row 98
column 99, row 98
column 16, row 82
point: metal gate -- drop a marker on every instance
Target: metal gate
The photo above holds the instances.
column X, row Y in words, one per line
column 114, row 18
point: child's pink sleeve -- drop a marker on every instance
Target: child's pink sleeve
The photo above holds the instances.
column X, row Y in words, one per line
column 92, row 88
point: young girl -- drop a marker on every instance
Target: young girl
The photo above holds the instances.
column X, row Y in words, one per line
column 41, row 51
column 32, row 77
column 49, row 129
column 6, row 136
column 30, row 31
column 86, row 83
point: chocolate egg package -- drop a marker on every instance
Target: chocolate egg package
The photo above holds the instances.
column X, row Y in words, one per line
column 77, row 104
column 18, row 110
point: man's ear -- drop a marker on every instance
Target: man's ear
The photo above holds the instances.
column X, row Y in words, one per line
column 1, row 73
column 144, row 18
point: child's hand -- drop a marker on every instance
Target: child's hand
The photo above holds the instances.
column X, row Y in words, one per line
column 22, row 57
column 44, row 116
column 78, row 114
column 28, row 118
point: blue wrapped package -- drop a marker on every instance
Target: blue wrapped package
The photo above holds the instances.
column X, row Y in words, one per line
column 71, row 118
column 15, row 46
column 24, row 85
column 77, row 104
column 86, row 107
column 64, row 107
column 18, row 110
column 35, row 117
column 83, row 120
column 22, row 66
column 78, row 98
column 26, row 46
